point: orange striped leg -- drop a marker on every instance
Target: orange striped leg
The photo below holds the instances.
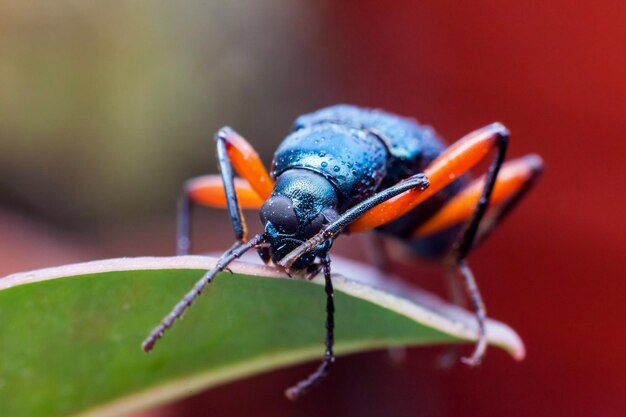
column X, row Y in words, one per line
column 514, row 180
column 234, row 153
column 246, row 162
column 208, row 190
column 451, row 164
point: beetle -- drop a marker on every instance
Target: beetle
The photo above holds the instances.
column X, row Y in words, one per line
column 346, row 169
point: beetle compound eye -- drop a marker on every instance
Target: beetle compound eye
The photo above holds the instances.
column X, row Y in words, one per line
column 315, row 226
column 279, row 211
column 322, row 219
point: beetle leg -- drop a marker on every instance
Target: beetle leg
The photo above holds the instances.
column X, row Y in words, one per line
column 455, row 161
column 513, row 182
column 515, row 179
column 208, row 191
column 246, row 161
column 466, row 239
column 499, row 139
column 232, row 151
column 480, row 312
column 499, row 212
column 305, row 385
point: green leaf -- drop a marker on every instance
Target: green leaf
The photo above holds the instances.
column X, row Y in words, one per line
column 70, row 336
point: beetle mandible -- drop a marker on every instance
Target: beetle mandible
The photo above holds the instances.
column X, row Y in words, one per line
column 346, row 169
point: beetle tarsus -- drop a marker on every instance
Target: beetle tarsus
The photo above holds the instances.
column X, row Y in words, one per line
column 480, row 312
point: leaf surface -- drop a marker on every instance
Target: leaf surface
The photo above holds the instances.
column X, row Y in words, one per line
column 70, row 336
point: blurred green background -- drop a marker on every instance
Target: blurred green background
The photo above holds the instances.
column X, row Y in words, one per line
column 106, row 107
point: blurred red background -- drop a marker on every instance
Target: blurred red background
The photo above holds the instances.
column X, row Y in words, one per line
column 553, row 72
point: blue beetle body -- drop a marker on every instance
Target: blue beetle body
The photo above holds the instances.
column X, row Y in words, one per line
column 340, row 165
column 335, row 158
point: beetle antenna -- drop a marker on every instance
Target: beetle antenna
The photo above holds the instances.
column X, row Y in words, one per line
column 238, row 249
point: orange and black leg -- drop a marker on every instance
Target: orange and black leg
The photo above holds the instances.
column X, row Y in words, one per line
column 209, row 191
column 515, row 179
column 526, row 171
column 232, row 150
column 455, row 161
column 225, row 190
column 390, row 204
column 466, row 240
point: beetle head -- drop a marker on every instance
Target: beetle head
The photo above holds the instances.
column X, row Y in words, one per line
column 302, row 203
